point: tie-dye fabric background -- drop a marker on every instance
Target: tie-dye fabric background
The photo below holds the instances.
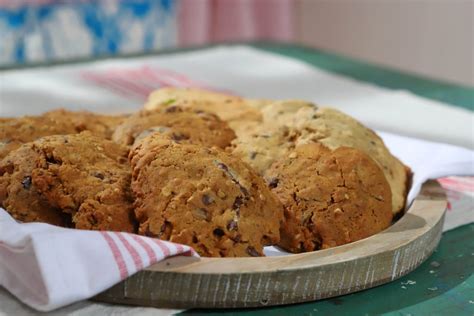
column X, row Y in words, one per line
column 49, row 30
column 42, row 30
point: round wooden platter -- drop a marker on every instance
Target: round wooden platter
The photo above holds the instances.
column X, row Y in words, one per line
column 187, row 282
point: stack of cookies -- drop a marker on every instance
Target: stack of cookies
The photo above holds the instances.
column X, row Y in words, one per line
column 225, row 175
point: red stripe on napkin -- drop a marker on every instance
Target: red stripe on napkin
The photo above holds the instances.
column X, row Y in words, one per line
column 149, row 251
column 117, row 255
column 164, row 248
column 137, row 260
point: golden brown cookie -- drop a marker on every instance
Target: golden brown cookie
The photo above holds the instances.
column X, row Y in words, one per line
column 16, row 131
column 88, row 177
column 306, row 123
column 18, row 195
column 183, row 125
column 98, row 124
column 335, row 129
column 202, row 197
column 330, row 197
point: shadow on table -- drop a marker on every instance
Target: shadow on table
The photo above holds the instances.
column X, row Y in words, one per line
column 450, row 266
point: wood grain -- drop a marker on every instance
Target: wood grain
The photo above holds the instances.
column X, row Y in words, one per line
column 184, row 282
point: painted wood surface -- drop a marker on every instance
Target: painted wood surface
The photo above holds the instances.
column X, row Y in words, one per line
column 184, row 282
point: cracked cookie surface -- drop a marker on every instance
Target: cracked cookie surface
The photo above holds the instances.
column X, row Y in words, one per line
column 183, row 125
column 81, row 175
column 202, row 197
column 306, row 123
column 330, row 197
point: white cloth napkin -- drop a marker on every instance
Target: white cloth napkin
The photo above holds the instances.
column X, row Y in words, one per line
column 47, row 267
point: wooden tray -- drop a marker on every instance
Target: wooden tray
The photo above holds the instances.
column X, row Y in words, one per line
column 184, row 282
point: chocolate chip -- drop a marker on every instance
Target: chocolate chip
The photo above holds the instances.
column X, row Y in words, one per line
column 273, row 183
column 26, row 182
column 148, row 233
column 237, row 203
column 93, row 220
column 165, row 230
column 99, row 175
column 251, row 251
column 222, row 166
column 173, row 109
column 218, row 232
column 53, row 161
column 232, row 225
column 372, row 142
column 178, row 136
column 206, row 199
column 244, row 190
column 195, row 240
column 253, row 154
column 237, row 238
column 122, row 160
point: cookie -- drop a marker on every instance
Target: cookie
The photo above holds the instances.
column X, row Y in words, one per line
column 18, row 195
column 98, row 124
column 262, row 146
column 16, row 131
column 307, row 123
column 331, row 197
column 335, row 129
column 82, row 175
column 232, row 109
column 202, row 197
column 283, row 112
column 181, row 124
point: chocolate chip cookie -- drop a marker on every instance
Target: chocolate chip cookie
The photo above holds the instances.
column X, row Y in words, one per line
column 202, row 197
column 183, row 125
column 335, row 129
column 82, row 175
column 331, row 197
column 306, row 123
column 88, row 177
column 18, row 194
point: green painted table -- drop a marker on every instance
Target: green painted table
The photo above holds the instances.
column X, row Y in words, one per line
column 444, row 284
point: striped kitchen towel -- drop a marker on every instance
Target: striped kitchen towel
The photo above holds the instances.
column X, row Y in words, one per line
column 47, row 267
